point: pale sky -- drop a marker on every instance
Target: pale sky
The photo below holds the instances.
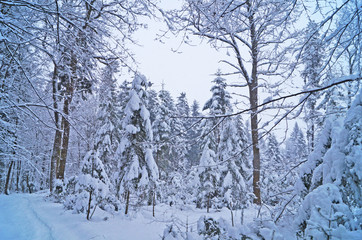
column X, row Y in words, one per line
column 182, row 68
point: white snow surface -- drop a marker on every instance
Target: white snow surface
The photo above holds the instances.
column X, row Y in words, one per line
column 33, row 217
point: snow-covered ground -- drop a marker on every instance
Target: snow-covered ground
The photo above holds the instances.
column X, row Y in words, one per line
column 31, row 216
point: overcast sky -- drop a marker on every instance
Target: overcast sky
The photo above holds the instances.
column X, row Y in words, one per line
column 181, row 67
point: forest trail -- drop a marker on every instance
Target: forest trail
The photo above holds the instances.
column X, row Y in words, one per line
column 19, row 219
column 30, row 217
column 33, row 217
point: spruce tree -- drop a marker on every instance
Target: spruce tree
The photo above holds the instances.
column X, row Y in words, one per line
column 108, row 131
column 138, row 170
column 312, row 59
column 274, row 181
column 234, row 192
column 208, row 175
column 92, row 186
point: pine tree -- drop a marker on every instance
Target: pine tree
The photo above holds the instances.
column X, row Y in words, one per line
column 163, row 132
column 209, row 172
column 274, row 169
column 208, row 175
column 93, row 184
column 296, row 147
column 235, row 192
column 312, row 59
column 334, row 205
column 193, row 136
column 108, row 131
column 138, row 170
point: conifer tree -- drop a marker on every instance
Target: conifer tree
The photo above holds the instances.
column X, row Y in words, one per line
column 312, row 59
column 235, row 192
column 296, row 147
column 274, row 169
column 108, row 132
column 208, row 175
column 335, row 205
column 93, row 184
column 193, row 136
column 138, row 170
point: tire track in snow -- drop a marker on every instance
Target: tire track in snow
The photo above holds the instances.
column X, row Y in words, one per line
column 48, row 228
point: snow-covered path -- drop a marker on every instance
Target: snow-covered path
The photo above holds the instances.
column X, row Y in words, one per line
column 19, row 220
column 31, row 217
column 28, row 216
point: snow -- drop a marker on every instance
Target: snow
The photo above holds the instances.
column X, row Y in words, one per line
column 33, row 216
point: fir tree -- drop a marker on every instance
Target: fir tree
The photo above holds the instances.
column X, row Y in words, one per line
column 235, row 192
column 335, row 204
column 108, row 132
column 274, row 169
column 208, row 175
column 93, row 184
column 312, row 58
column 138, row 169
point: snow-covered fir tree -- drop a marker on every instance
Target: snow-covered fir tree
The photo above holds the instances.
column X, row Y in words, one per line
column 296, row 147
column 193, row 135
column 138, row 172
column 208, row 175
column 92, row 186
column 108, row 132
column 170, row 148
column 212, row 129
column 333, row 209
column 235, row 169
column 274, row 172
column 312, row 59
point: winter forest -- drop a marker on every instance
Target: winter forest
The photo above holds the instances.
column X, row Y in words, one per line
column 90, row 149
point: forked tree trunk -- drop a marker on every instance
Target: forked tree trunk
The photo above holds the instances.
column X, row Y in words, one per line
column 65, row 123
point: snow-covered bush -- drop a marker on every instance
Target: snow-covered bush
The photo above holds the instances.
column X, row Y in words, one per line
column 92, row 186
column 333, row 209
column 322, row 212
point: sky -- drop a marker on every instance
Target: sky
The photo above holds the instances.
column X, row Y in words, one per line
column 177, row 66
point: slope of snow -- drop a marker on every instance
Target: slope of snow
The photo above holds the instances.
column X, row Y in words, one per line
column 25, row 216
column 31, row 216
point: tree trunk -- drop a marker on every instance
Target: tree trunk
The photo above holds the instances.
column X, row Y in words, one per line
column 127, row 202
column 8, row 178
column 65, row 123
column 64, row 145
column 18, row 173
column 153, row 203
column 242, row 216
column 27, row 183
column 253, row 97
column 232, row 217
column 208, row 203
column 89, row 205
column 256, row 154
column 54, row 161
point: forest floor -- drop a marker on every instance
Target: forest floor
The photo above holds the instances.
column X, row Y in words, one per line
column 32, row 216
